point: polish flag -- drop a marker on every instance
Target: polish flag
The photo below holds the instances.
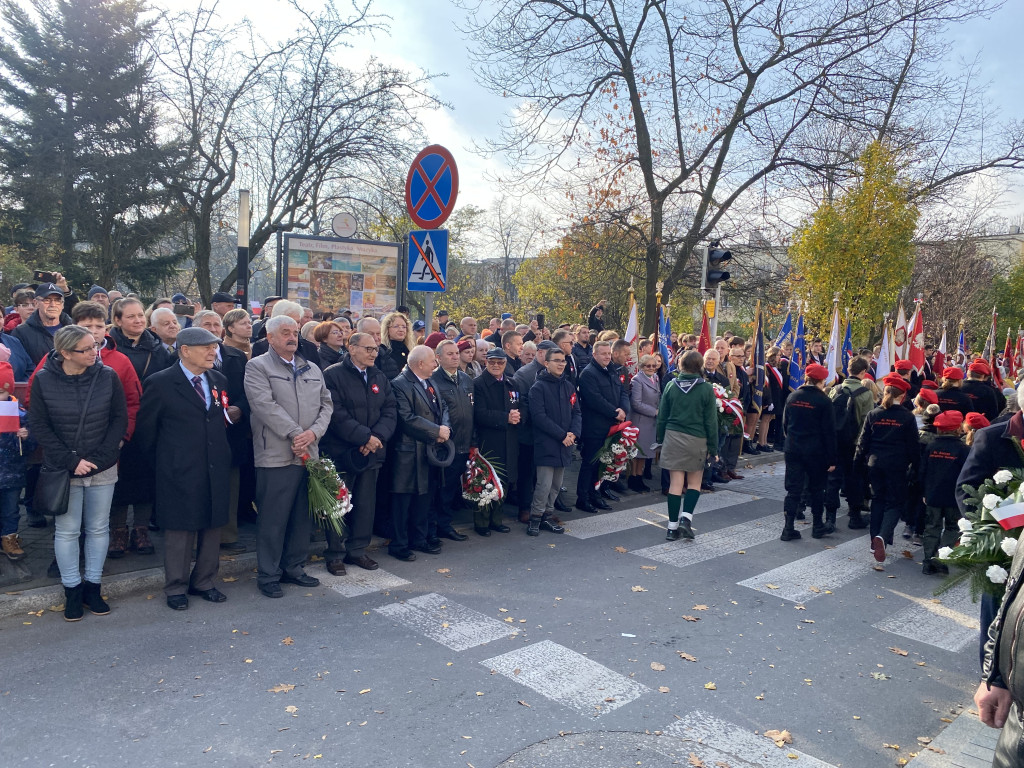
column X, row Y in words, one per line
column 10, row 420
column 1009, row 516
column 939, row 361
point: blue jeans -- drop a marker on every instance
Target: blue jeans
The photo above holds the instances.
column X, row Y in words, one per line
column 9, row 510
column 88, row 511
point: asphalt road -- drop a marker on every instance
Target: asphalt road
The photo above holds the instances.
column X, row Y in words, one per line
column 603, row 647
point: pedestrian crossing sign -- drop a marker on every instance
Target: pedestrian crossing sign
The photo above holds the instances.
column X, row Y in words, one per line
column 428, row 261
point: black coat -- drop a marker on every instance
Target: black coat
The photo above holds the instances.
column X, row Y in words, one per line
column 329, row 357
column 572, row 370
column 555, row 410
column 458, row 396
column 983, row 398
column 809, row 426
column 232, row 367
column 361, row 410
column 420, row 416
column 148, row 355
column 56, row 407
column 524, row 379
column 953, row 399
column 34, row 337
column 601, row 393
column 993, row 449
column 497, row 440
column 581, row 356
column 187, row 446
column 942, row 459
column 889, row 436
column 307, row 349
column 386, row 364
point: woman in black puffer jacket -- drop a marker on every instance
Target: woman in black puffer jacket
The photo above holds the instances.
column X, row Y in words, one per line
column 74, row 386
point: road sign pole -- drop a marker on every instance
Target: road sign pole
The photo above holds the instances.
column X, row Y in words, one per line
column 428, row 311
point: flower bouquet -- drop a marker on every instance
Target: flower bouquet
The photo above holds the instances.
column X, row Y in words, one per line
column 988, row 533
column 329, row 497
column 730, row 411
column 619, row 447
column 480, row 481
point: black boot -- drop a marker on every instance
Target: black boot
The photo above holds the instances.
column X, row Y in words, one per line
column 73, row 603
column 818, row 528
column 684, row 526
column 800, row 515
column 789, row 533
column 672, row 534
column 533, row 527
column 92, row 597
column 856, row 522
column 830, row 520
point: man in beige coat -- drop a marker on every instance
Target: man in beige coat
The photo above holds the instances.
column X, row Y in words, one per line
column 291, row 410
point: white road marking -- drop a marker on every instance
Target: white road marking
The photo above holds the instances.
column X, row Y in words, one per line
column 965, row 743
column 830, row 569
column 718, row 742
column 567, row 677
column 359, row 582
column 724, row 541
column 446, row 622
column 654, row 513
column 951, row 625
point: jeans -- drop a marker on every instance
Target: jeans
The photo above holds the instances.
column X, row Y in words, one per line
column 549, row 481
column 88, row 511
column 9, row 510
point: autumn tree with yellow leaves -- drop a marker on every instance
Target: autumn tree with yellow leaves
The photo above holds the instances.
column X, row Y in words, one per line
column 859, row 246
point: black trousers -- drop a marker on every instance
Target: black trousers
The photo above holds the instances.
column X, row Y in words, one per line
column 283, row 525
column 359, row 520
column 585, row 490
column 178, row 557
column 526, row 478
column 451, row 492
column 847, row 479
column 889, row 488
column 805, row 474
column 410, row 519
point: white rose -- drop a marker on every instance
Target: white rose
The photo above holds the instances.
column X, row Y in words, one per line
column 945, row 552
column 991, row 501
column 1008, row 545
column 1002, row 477
column 966, row 538
column 964, row 524
column 996, row 574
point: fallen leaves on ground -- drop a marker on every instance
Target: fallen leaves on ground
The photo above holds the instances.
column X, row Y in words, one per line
column 637, row 588
column 365, row 690
column 699, row 608
column 691, row 618
column 813, row 588
column 696, row 762
column 897, row 651
column 649, row 567
column 662, row 689
column 621, row 550
column 287, row 641
column 772, row 586
column 779, row 737
column 908, row 554
column 523, row 703
column 710, row 687
column 879, row 676
column 685, row 656
column 444, row 570
column 281, row 688
column 229, row 579
column 890, row 746
column 291, row 709
column 657, row 666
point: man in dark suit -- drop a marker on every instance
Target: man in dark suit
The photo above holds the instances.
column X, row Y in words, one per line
column 422, row 420
column 455, row 387
column 604, row 402
column 497, row 416
column 525, row 378
column 182, row 427
column 363, row 421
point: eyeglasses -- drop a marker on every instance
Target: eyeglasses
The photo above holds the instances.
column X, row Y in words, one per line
column 369, row 350
column 92, row 349
column 655, row 367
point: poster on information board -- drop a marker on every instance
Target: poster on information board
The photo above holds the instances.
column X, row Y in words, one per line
column 330, row 274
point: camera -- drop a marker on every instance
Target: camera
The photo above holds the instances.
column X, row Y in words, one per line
column 44, row 277
column 184, row 309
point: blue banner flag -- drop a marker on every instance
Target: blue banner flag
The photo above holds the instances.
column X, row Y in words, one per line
column 847, row 348
column 757, row 384
column 798, row 359
column 665, row 337
column 786, row 332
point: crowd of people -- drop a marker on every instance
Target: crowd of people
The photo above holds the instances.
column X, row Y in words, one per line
column 172, row 417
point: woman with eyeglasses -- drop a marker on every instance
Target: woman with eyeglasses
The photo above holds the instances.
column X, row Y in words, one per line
column 394, row 330
column 74, row 387
column 644, row 396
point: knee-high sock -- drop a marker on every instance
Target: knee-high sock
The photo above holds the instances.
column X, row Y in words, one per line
column 690, row 503
column 674, row 500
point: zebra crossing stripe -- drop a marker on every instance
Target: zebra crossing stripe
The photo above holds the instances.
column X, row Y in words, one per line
column 826, row 570
column 718, row 742
column 650, row 514
column 354, row 584
column 567, row 677
column 949, row 622
column 446, row 622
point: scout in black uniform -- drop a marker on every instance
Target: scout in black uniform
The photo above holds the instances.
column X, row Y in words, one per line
column 941, row 462
column 949, row 394
column 985, row 399
column 810, row 439
column 889, row 444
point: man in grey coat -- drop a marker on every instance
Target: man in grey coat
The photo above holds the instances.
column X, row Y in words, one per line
column 291, row 411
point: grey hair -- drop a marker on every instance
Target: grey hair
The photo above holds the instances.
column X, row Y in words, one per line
column 69, row 336
column 278, row 322
column 419, row 354
column 160, row 312
column 285, row 307
column 364, row 323
column 200, row 316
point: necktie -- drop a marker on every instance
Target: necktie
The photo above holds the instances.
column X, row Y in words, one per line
column 197, row 385
column 365, row 380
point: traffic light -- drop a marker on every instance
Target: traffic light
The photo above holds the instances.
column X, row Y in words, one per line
column 716, row 261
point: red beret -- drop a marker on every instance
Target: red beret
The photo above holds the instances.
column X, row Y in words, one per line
column 904, row 366
column 952, row 373
column 816, row 372
column 896, row 382
column 6, row 378
column 867, row 376
column 948, row 420
column 976, row 420
column 928, row 396
column 434, row 339
column 929, row 384
column 466, row 344
column 980, row 366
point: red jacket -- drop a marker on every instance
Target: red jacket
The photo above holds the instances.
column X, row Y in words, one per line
column 125, row 371
column 11, row 321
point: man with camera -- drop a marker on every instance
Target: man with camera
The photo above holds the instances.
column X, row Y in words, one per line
column 36, row 333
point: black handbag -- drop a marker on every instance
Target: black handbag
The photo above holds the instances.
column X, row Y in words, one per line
column 53, row 489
